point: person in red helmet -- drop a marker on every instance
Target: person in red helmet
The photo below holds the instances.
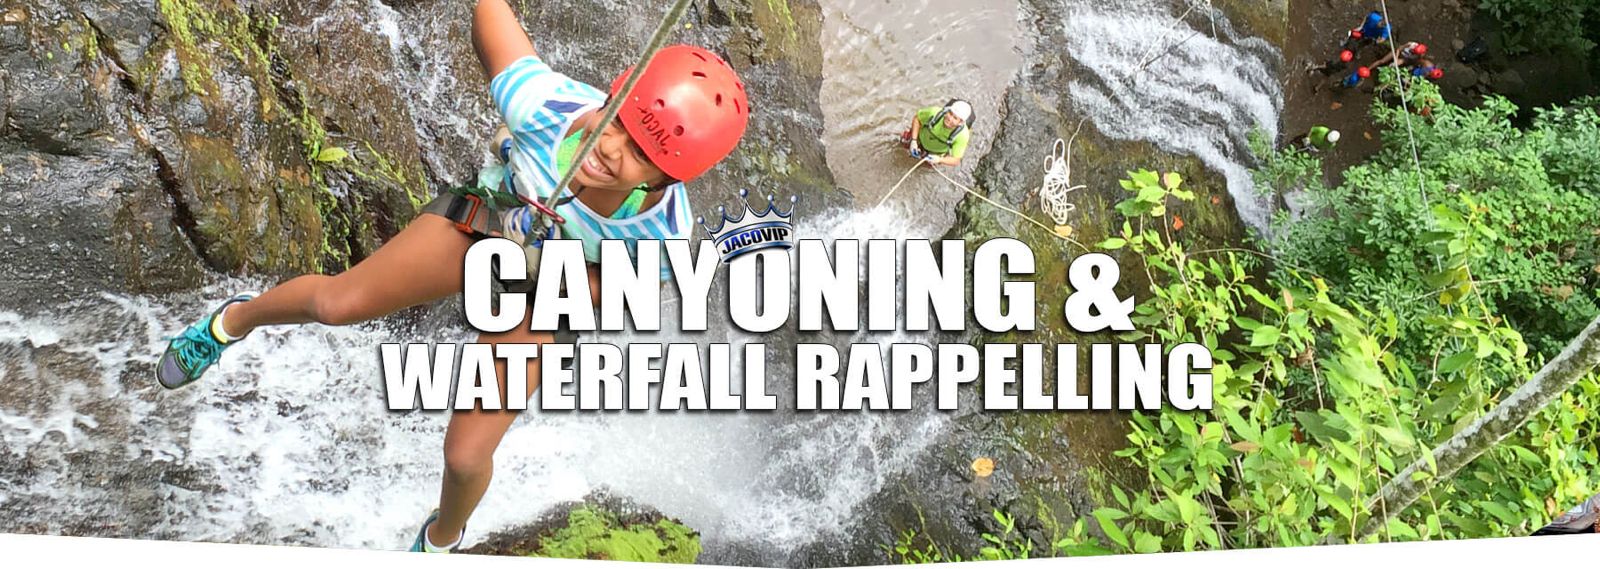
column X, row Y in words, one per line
column 685, row 114
column 1408, row 55
column 1336, row 65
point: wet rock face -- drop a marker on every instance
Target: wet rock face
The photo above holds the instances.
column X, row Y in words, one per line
column 145, row 144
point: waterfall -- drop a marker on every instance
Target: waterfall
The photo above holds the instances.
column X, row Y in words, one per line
column 1192, row 87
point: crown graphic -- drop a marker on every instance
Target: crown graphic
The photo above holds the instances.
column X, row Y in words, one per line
column 752, row 230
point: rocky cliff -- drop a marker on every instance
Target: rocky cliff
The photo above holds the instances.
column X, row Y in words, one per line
column 145, row 144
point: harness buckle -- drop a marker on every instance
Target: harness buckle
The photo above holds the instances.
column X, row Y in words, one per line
column 465, row 223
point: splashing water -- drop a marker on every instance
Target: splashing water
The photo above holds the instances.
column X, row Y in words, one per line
column 1172, row 82
column 287, row 440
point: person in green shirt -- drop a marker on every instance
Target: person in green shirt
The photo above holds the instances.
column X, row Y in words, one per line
column 1319, row 139
column 939, row 135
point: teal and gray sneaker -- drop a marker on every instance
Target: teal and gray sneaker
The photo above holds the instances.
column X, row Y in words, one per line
column 189, row 354
column 422, row 545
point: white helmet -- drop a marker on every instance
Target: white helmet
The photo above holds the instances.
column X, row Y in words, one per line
column 1333, row 136
column 962, row 110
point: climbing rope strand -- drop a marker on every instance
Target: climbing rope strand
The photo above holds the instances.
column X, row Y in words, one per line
column 614, row 106
column 902, row 181
column 1009, row 210
column 1405, row 104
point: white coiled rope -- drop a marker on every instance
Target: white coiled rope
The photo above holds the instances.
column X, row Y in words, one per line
column 1058, row 183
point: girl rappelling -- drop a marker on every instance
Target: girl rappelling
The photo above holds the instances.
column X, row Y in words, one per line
column 685, row 112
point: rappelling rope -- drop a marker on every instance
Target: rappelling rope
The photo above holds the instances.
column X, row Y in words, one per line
column 1024, row 216
column 614, row 106
column 902, row 181
column 1405, row 105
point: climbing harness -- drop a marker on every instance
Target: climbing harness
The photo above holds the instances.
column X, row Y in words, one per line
column 473, row 209
column 1058, row 183
column 938, row 118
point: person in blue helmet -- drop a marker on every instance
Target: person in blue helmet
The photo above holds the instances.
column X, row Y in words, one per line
column 1373, row 30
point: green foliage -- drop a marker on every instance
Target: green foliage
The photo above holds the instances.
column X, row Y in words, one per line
column 1403, row 305
column 1283, row 172
column 592, row 533
column 1315, row 409
column 1545, row 25
column 911, row 547
column 1537, row 192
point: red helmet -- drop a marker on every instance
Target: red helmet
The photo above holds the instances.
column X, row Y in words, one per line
column 1347, row 56
column 1421, row 49
column 1364, row 72
column 1436, row 74
column 687, row 112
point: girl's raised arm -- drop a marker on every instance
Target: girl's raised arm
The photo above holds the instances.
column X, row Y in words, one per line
column 498, row 37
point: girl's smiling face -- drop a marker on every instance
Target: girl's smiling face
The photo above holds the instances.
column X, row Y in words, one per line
column 617, row 163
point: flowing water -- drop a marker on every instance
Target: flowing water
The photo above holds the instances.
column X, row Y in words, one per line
column 1179, row 75
column 287, row 441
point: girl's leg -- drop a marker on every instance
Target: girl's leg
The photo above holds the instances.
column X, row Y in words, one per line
column 470, row 442
column 421, row 264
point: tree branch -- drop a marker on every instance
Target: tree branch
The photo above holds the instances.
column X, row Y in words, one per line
column 1580, row 356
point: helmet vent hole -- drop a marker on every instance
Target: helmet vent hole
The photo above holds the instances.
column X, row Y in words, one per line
column 699, row 74
column 719, row 99
column 677, row 130
column 738, row 107
column 702, row 57
column 660, row 104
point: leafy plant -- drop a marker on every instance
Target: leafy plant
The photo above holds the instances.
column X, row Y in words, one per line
column 1539, row 192
column 1544, row 25
column 1315, row 410
column 1405, row 305
column 911, row 548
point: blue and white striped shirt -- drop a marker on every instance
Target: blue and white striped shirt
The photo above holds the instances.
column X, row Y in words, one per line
column 539, row 106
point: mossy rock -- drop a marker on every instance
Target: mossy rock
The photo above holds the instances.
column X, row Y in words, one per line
column 599, row 529
column 592, row 533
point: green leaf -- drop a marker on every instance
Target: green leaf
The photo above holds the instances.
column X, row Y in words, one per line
column 1172, row 180
column 1085, row 550
column 1109, row 513
column 1394, row 436
column 1146, row 543
column 1501, row 512
column 1247, row 322
column 1145, row 178
column 1319, row 427
column 1264, row 336
column 1113, row 243
column 1109, row 527
column 332, row 154
column 1456, row 361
